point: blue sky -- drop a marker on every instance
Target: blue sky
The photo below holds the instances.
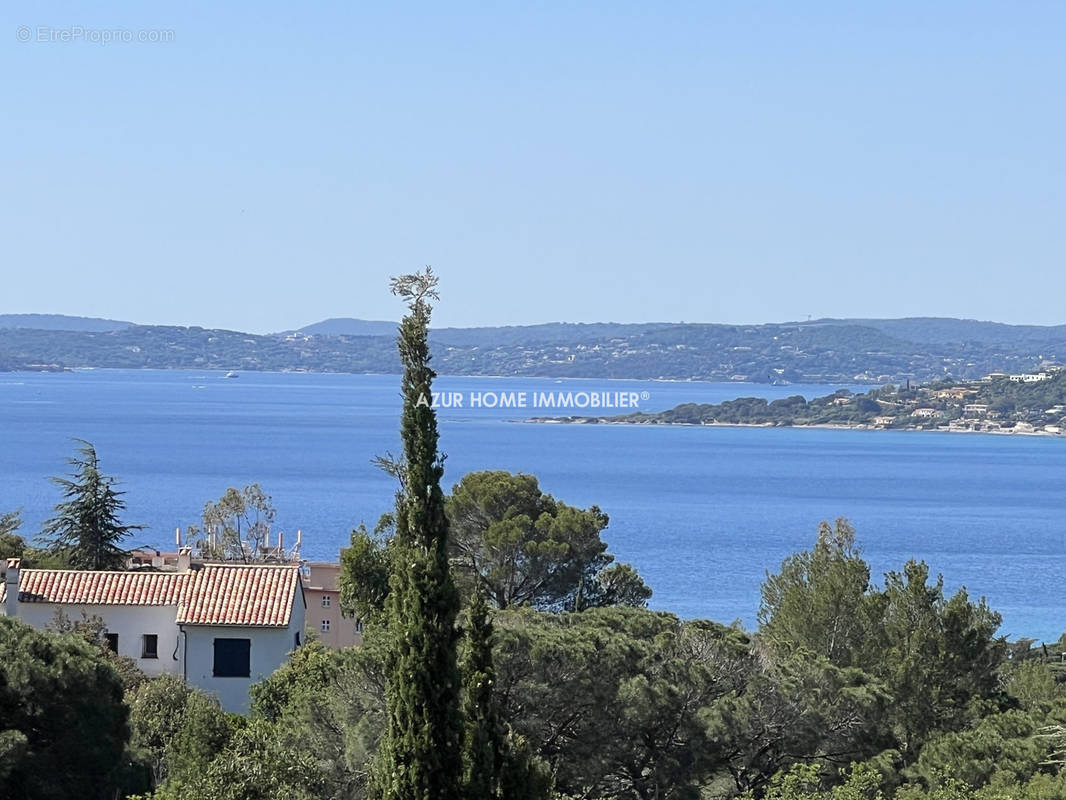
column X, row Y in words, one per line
column 715, row 162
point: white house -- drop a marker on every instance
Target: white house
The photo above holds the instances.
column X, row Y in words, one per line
column 928, row 413
column 222, row 627
column 1030, row 377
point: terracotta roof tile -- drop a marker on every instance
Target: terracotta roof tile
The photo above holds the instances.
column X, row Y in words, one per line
column 232, row 594
column 100, row 588
column 213, row 594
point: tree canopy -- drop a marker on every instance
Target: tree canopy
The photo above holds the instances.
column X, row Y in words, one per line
column 507, row 538
column 527, row 548
column 63, row 724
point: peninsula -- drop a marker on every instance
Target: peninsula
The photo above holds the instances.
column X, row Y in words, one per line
column 1028, row 403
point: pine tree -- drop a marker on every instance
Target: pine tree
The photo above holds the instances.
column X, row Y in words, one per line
column 483, row 744
column 421, row 750
column 86, row 530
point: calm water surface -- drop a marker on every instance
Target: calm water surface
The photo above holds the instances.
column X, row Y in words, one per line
column 701, row 512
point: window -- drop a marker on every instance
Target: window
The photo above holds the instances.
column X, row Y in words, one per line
column 150, row 645
column 325, row 626
column 358, row 626
column 297, row 639
column 233, row 658
column 112, row 641
column 325, row 601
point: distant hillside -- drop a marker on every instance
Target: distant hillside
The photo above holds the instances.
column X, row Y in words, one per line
column 548, row 332
column 61, row 322
column 944, row 330
column 573, row 332
column 826, row 351
column 349, row 326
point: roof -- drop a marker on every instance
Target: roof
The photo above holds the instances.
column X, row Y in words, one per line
column 99, row 588
column 215, row 594
column 232, row 594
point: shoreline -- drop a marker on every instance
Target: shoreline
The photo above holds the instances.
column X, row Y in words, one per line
column 442, row 375
column 808, row 426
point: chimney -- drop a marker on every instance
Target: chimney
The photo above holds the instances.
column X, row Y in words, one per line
column 11, row 583
column 281, row 545
column 177, row 537
column 184, row 559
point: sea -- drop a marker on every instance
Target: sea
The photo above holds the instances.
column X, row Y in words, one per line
column 703, row 513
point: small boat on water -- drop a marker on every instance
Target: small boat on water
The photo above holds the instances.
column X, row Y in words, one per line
column 232, row 375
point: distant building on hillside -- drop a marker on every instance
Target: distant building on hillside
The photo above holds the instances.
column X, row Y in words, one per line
column 926, row 413
column 954, row 393
column 325, row 621
column 221, row 627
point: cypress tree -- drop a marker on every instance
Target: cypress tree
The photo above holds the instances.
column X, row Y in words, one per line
column 421, row 750
column 86, row 530
column 483, row 743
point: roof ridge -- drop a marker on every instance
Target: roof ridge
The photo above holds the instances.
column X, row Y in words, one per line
column 237, row 564
column 100, row 571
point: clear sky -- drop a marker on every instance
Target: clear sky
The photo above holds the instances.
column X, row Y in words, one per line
column 274, row 163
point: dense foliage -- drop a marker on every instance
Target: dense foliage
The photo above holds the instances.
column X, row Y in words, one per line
column 851, row 689
column 63, row 725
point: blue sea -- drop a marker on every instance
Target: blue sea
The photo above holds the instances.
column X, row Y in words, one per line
column 702, row 513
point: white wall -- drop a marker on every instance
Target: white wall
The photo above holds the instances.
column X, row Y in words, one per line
column 270, row 648
column 129, row 622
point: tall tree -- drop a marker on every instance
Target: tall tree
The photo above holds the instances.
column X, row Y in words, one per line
column 420, row 755
column 86, row 530
column 483, row 743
